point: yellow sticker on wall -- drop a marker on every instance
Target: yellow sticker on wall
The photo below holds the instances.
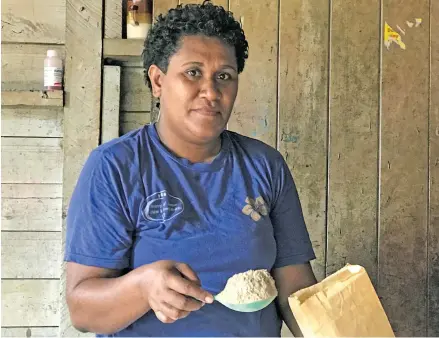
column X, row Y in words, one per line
column 392, row 36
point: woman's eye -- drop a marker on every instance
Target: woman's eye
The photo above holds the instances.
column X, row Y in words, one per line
column 224, row 76
column 193, row 72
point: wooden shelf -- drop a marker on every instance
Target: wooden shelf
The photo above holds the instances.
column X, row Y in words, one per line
column 124, row 50
column 33, row 98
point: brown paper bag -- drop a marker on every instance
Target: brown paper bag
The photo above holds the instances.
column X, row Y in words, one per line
column 342, row 305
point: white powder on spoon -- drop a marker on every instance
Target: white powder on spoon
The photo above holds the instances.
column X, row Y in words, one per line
column 247, row 287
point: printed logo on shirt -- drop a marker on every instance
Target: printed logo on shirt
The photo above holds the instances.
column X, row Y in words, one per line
column 255, row 208
column 162, row 206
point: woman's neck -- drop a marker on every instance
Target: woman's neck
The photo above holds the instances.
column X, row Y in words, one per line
column 195, row 153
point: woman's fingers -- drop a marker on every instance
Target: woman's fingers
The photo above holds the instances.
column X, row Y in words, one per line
column 182, row 302
column 172, row 312
column 189, row 288
column 187, row 272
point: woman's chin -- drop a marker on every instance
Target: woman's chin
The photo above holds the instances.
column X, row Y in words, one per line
column 206, row 135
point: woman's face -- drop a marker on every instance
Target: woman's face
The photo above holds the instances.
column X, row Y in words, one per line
column 199, row 89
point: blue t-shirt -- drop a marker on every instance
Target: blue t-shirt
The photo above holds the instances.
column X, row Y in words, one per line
column 136, row 203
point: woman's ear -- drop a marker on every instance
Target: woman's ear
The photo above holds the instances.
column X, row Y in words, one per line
column 156, row 76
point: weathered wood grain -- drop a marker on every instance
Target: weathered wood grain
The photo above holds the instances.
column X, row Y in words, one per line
column 23, row 65
column 433, row 235
column 30, row 302
column 50, row 331
column 41, row 21
column 123, row 48
column 31, row 190
column 31, row 254
column 254, row 113
column 353, row 152
column 31, row 160
column 31, row 214
column 303, row 111
column 133, row 120
column 32, row 122
column 110, row 103
column 31, row 207
column 135, row 94
column 113, row 19
column 32, row 98
column 404, row 171
column 82, row 109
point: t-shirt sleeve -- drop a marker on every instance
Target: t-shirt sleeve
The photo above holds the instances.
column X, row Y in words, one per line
column 99, row 229
column 292, row 238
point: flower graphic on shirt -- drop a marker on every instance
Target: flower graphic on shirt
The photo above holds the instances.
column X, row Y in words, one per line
column 255, row 208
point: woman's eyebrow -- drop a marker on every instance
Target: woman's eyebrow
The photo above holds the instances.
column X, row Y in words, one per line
column 200, row 64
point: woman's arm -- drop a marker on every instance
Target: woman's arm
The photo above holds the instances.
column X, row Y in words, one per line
column 290, row 279
column 102, row 301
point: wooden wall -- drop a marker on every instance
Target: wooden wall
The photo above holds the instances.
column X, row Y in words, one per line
column 358, row 125
column 356, row 120
column 32, row 157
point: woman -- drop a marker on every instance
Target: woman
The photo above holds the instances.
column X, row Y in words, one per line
column 163, row 216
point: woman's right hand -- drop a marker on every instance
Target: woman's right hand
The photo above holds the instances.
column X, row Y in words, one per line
column 172, row 290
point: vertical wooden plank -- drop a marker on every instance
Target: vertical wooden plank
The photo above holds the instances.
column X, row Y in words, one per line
column 254, row 114
column 82, row 108
column 404, row 170
column 110, row 103
column 353, row 152
column 113, row 19
column 303, row 106
column 433, row 236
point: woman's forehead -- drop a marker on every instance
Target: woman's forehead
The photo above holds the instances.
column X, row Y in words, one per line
column 198, row 48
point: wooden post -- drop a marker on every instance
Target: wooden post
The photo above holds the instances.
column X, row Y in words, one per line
column 110, row 103
column 433, row 235
column 303, row 110
column 82, row 108
column 353, row 156
column 402, row 264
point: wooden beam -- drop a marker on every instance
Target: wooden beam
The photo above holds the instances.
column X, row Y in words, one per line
column 31, row 302
column 353, row 151
column 402, row 279
column 32, row 122
column 82, row 110
column 303, row 111
column 31, row 254
column 113, row 18
column 31, row 160
column 433, row 235
column 51, row 331
column 34, row 20
column 31, row 207
column 110, row 103
column 123, row 49
column 32, row 98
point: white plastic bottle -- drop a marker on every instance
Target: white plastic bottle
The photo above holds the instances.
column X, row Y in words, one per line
column 53, row 71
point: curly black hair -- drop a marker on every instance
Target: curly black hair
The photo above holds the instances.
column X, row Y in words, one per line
column 207, row 19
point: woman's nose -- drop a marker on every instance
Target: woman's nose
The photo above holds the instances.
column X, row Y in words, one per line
column 210, row 90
